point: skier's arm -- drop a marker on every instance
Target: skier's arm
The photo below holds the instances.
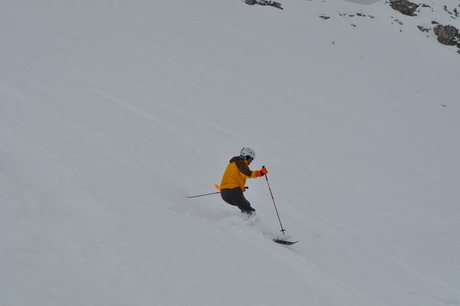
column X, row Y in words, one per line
column 250, row 174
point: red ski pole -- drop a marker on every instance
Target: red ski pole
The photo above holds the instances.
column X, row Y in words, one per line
column 276, row 209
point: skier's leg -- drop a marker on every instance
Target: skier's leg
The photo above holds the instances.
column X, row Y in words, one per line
column 235, row 197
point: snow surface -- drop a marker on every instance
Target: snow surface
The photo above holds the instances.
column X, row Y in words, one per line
column 112, row 112
column 364, row 1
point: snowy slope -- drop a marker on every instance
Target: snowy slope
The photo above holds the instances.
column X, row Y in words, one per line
column 112, row 112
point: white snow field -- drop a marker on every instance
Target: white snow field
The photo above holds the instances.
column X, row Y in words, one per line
column 113, row 112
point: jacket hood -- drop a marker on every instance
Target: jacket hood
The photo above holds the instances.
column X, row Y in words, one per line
column 236, row 158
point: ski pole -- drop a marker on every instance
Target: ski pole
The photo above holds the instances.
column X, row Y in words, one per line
column 276, row 209
column 206, row 194
column 202, row 195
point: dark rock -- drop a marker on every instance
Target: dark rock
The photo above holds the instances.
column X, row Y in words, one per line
column 447, row 35
column 404, row 6
column 264, row 3
column 423, row 29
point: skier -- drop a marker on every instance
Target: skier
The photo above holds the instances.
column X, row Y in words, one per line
column 234, row 179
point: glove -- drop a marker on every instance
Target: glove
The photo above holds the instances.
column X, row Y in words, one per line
column 261, row 172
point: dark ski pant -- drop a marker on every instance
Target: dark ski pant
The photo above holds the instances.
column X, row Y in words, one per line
column 235, row 197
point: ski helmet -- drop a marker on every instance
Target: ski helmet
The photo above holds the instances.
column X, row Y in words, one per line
column 247, row 153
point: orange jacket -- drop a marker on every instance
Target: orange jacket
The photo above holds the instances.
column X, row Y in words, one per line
column 236, row 174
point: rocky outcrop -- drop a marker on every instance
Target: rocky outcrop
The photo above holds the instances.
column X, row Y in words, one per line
column 404, row 6
column 264, row 3
column 447, row 35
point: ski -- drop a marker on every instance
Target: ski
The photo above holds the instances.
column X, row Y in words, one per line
column 285, row 242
